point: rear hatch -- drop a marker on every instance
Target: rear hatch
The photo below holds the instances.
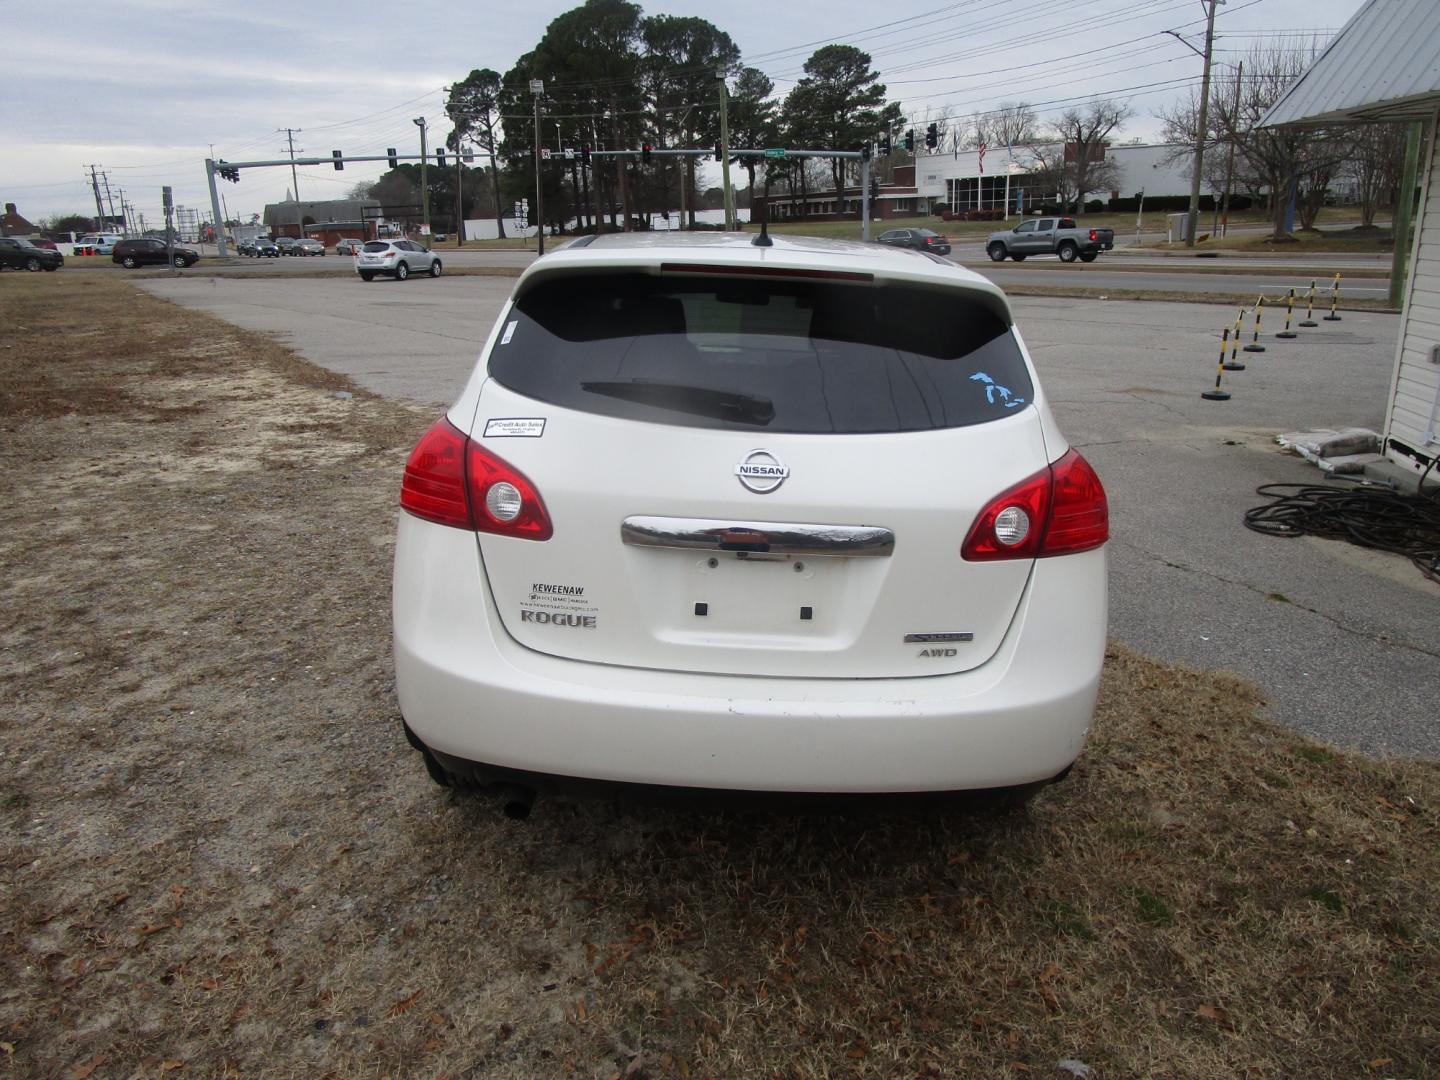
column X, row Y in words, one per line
column 757, row 475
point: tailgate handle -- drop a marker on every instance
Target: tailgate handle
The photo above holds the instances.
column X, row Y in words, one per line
column 768, row 537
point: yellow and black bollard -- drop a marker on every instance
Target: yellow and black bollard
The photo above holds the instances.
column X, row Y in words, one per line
column 1309, row 319
column 1289, row 310
column 1255, row 345
column 1234, row 364
column 1334, row 300
column 1217, row 394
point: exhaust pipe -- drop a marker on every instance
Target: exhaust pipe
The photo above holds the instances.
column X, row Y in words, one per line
column 517, row 802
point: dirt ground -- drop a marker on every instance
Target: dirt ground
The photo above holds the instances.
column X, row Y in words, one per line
column 219, row 857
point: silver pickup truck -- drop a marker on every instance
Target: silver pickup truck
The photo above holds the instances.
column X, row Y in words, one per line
column 1049, row 236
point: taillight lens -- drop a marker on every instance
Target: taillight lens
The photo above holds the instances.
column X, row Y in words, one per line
column 503, row 500
column 1061, row 510
column 434, row 483
column 453, row 481
column 1079, row 512
column 1094, row 235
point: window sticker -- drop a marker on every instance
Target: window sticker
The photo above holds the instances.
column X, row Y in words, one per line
column 515, row 427
column 996, row 394
column 509, row 332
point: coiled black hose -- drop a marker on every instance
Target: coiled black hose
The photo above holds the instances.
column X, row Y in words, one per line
column 1365, row 514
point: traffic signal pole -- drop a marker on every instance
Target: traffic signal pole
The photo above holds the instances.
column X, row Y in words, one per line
column 215, row 205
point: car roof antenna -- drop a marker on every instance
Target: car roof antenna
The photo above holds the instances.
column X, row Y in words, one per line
column 763, row 240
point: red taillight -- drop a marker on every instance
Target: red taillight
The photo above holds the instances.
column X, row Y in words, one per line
column 453, row 481
column 1079, row 513
column 434, row 483
column 502, row 499
column 1094, row 235
column 1061, row 510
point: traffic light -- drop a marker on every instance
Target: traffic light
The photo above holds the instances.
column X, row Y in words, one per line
column 585, row 154
column 885, row 145
column 865, row 152
column 394, row 161
column 440, row 158
column 932, row 137
column 339, row 160
column 227, row 172
column 645, row 153
column 910, row 141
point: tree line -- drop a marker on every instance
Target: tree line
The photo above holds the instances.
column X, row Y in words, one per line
column 615, row 78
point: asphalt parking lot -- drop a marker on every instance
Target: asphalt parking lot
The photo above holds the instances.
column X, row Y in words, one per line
column 1342, row 642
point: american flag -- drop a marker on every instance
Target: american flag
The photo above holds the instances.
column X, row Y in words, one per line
column 982, row 159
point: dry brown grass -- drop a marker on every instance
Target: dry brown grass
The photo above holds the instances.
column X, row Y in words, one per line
column 220, row 858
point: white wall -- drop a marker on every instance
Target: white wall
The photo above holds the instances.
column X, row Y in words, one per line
column 1414, row 410
column 1140, row 167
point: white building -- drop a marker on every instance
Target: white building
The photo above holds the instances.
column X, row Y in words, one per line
column 1385, row 66
column 1000, row 181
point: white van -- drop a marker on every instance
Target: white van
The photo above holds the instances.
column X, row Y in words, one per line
column 103, row 243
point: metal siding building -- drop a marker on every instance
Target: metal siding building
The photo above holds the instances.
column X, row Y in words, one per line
column 1385, row 66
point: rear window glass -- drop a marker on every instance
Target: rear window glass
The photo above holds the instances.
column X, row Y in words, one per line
column 377, row 245
column 753, row 354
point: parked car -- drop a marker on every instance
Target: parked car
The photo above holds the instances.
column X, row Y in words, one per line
column 348, row 246
column 41, row 242
column 246, row 246
column 919, row 239
column 265, row 248
column 713, row 515
column 396, row 258
column 23, row 255
column 103, row 243
column 286, row 244
column 307, row 247
column 150, row 252
column 1047, row 236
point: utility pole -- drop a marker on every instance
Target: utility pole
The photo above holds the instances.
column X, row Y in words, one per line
column 537, row 87
column 1230, row 155
column 725, row 152
column 99, row 209
column 459, row 204
column 294, row 177
column 420, row 122
column 108, row 200
column 1191, row 219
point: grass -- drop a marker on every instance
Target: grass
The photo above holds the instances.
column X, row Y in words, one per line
column 219, row 858
column 1299, row 243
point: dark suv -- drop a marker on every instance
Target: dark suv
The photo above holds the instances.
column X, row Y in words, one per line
column 23, row 255
column 150, row 252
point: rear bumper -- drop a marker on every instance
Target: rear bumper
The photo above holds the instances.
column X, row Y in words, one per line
column 469, row 691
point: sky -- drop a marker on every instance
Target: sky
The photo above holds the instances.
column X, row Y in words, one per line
column 143, row 89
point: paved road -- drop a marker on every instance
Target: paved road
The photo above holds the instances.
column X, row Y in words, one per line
column 1343, row 643
column 1097, row 276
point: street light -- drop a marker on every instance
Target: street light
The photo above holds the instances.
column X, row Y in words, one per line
column 420, row 122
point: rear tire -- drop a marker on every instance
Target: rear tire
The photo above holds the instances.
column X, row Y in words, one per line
column 435, row 268
column 996, row 251
column 1068, row 252
column 128, row 262
column 367, row 275
column 402, row 272
column 1089, row 256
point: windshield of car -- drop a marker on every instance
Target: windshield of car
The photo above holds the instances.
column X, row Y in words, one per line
column 785, row 356
column 377, row 245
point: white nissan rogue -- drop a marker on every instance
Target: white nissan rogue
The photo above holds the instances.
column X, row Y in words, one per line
column 720, row 513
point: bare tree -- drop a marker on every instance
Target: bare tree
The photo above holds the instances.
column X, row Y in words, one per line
column 1278, row 160
column 1374, row 167
column 1083, row 134
column 1012, row 124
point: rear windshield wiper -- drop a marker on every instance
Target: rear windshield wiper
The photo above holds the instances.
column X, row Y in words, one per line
column 699, row 400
